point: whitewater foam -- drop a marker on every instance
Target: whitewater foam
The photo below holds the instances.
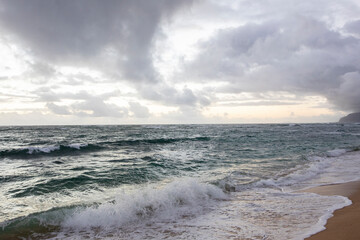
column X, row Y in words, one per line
column 78, row 145
column 179, row 198
column 46, row 149
column 260, row 213
column 337, row 166
column 336, row 152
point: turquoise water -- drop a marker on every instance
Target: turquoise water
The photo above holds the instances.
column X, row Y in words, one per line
column 113, row 181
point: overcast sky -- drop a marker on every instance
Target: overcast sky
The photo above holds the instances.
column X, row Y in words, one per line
column 178, row 61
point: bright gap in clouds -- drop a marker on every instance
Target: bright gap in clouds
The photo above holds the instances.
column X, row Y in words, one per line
column 184, row 61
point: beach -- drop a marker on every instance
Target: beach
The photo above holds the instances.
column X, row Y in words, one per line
column 345, row 223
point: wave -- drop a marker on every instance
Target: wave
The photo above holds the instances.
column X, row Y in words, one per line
column 156, row 141
column 86, row 180
column 36, row 151
column 30, row 226
column 52, row 185
column 329, row 167
column 334, row 166
column 336, row 152
column 178, row 199
column 29, row 152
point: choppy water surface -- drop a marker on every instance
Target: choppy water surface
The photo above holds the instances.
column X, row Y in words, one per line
column 172, row 181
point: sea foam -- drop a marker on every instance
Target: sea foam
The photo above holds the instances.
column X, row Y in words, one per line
column 34, row 150
column 176, row 199
column 336, row 152
column 48, row 149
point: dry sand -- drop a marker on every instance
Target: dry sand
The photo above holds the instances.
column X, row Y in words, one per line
column 345, row 224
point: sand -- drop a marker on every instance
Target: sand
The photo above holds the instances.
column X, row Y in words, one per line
column 345, row 224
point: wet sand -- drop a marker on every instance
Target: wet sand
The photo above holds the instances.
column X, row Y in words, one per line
column 345, row 224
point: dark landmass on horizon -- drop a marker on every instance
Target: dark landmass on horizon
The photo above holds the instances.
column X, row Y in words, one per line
column 351, row 118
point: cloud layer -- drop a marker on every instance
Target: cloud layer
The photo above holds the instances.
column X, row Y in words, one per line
column 295, row 53
column 107, row 59
column 90, row 32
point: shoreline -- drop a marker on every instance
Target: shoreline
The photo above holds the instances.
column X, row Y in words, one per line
column 345, row 222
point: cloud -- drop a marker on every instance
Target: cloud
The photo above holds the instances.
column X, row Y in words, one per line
column 138, row 110
column 113, row 37
column 40, row 72
column 92, row 107
column 46, row 94
column 59, row 110
column 49, row 95
column 299, row 54
column 173, row 96
column 64, row 55
column 82, row 104
column 259, row 103
column 353, row 27
column 347, row 96
column 186, row 115
column 90, row 32
column 96, row 107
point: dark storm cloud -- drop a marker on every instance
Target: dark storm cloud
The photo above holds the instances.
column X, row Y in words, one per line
column 88, row 31
column 295, row 54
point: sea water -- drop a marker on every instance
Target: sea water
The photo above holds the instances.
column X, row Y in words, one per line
column 172, row 181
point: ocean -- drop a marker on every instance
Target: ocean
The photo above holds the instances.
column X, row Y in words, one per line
column 172, row 181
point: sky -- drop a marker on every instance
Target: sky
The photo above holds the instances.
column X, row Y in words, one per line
column 178, row 61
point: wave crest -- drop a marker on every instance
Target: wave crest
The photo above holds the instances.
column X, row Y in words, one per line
column 179, row 198
column 29, row 152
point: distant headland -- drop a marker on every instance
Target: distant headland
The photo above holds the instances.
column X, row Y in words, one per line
column 351, row 118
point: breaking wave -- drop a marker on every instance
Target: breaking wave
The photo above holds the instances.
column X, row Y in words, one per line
column 176, row 199
column 156, row 141
column 29, row 152
column 36, row 151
